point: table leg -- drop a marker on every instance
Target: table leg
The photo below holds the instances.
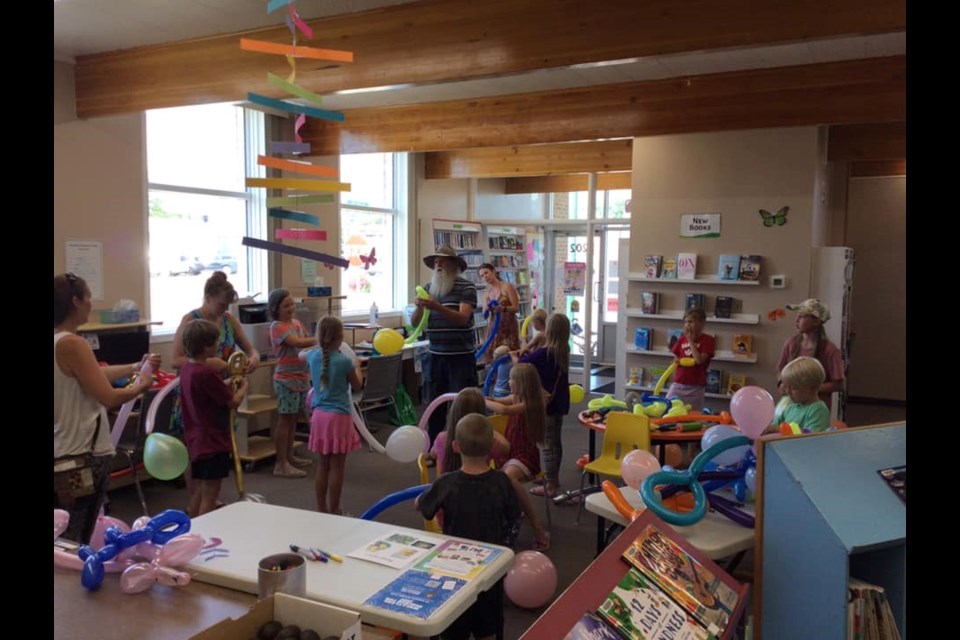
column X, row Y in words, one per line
column 600, row 533
column 592, row 449
column 662, row 454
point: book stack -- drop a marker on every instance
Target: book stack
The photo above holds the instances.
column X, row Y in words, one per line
column 869, row 615
column 665, row 593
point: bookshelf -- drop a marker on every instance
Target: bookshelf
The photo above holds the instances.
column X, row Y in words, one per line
column 506, row 249
column 827, row 516
column 466, row 238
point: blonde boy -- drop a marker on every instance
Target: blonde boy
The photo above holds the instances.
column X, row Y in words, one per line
column 800, row 381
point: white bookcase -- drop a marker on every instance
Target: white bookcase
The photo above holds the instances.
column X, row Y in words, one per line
column 466, row 238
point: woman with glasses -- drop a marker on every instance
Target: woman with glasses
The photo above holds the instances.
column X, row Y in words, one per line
column 82, row 391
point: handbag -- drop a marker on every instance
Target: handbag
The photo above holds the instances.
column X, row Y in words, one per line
column 73, row 474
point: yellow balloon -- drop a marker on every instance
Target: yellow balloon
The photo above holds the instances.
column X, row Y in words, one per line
column 576, row 394
column 387, row 341
column 688, row 362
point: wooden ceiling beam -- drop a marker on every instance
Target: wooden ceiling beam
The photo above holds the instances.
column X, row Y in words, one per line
column 531, row 160
column 857, row 91
column 878, row 168
column 449, row 40
column 568, row 183
column 874, row 141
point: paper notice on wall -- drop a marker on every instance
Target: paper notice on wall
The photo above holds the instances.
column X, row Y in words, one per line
column 85, row 259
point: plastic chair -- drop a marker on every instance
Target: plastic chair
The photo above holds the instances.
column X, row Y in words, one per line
column 381, row 379
column 624, row 433
column 429, row 525
column 499, row 422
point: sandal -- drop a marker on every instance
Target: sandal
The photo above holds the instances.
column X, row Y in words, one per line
column 300, row 462
column 542, row 546
column 540, row 490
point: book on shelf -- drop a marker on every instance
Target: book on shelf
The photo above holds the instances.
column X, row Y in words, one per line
column 668, row 268
column 742, row 344
column 590, row 626
column 701, row 593
column 673, row 336
column 750, row 267
column 635, row 376
column 869, row 614
column 723, row 307
column 714, row 380
column 695, row 301
column 651, row 266
column 728, row 266
column 735, row 382
column 686, row 266
column 649, row 302
column 643, row 338
column 640, row 610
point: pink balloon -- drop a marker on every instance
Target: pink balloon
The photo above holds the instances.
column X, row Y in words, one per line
column 155, row 405
column 752, row 409
column 141, row 522
column 636, row 466
column 68, row 560
column 439, row 400
column 180, row 550
column 61, row 519
column 96, row 539
column 121, row 422
column 170, row 577
column 138, row 578
column 531, row 581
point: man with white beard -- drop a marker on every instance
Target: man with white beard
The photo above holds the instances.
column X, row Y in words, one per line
column 451, row 364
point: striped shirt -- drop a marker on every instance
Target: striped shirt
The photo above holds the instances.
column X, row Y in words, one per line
column 446, row 338
column 291, row 371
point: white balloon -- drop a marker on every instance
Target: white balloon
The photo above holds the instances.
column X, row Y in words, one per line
column 406, row 444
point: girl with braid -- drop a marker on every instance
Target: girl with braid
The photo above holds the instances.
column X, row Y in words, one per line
column 332, row 434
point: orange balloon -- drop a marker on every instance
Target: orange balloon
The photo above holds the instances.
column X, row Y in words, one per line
column 726, row 418
column 618, row 501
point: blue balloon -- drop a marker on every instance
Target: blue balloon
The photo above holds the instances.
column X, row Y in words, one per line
column 719, row 433
column 107, row 553
column 161, row 525
column 750, row 479
column 134, row 537
column 493, row 330
column 91, row 576
column 388, row 501
column 493, row 372
column 740, row 490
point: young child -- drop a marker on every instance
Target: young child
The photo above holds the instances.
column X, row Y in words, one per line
column 811, row 340
column 332, row 434
column 479, row 503
column 526, row 431
column 800, row 381
column 539, row 323
column 552, row 362
column 291, row 380
column 690, row 383
column 469, row 400
column 502, row 386
column 206, row 400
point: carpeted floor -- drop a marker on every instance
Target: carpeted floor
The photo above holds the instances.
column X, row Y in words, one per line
column 370, row 476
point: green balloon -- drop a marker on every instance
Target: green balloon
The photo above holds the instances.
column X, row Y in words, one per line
column 164, row 456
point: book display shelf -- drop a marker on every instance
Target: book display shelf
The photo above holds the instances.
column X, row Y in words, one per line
column 466, row 238
column 507, row 250
column 828, row 517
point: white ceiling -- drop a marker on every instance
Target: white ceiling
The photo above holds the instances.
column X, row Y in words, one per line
column 82, row 27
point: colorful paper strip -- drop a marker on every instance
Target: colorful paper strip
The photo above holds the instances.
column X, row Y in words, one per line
column 275, row 48
column 298, row 167
column 296, row 251
column 273, row 5
column 295, row 89
column 282, row 105
column 289, row 147
column 303, row 26
column 295, row 183
column 322, row 198
column 300, row 234
column 298, row 216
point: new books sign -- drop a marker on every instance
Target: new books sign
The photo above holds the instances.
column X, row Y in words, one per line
column 700, row 225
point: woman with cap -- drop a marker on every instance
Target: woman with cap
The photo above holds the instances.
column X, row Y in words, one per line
column 811, row 341
column 450, row 365
column 508, row 305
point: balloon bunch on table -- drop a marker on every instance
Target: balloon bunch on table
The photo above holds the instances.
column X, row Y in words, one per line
column 145, row 554
column 727, row 459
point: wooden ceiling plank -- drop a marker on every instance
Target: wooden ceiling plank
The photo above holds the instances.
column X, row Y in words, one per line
column 567, row 183
column 450, row 40
column 878, row 168
column 872, row 141
column 531, row 160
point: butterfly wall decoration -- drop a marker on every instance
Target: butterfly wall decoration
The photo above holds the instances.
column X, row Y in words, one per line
column 776, row 313
column 370, row 259
column 777, row 219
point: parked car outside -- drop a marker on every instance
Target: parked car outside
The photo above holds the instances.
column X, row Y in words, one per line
column 227, row 264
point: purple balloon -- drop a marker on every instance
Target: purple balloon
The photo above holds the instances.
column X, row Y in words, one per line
column 752, row 409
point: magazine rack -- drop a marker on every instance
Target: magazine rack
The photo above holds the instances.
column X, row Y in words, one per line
column 827, row 515
column 591, row 587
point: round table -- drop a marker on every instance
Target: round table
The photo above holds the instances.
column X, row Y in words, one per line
column 657, row 436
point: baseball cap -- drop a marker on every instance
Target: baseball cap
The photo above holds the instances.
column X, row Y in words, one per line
column 811, row 307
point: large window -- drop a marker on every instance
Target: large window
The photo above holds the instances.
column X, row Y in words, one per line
column 612, row 203
column 373, row 218
column 199, row 209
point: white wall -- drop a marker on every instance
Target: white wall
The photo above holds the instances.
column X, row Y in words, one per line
column 493, row 204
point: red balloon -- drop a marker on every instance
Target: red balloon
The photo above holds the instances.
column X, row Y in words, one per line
column 531, row 581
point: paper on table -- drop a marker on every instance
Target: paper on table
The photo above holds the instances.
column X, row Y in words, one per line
column 397, row 549
column 459, row 558
column 416, row 593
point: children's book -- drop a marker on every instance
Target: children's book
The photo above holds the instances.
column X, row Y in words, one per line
column 750, row 267
column 639, row 610
column 416, row 593
column 636, row 376
column 693, row 586
column 742, row 344
column 673, row 335
column 735, row 382
column 728, row 266
column 643, row 338
column 651, row 265
column 656, row 373
column 686, row 266
column 714, row 380
column 723, row 307
column 695, row 301
column 668, row 269
column 591, row 627
column 649, row 302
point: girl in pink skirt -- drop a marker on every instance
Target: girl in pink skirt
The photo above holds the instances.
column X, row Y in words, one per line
column 332, row 433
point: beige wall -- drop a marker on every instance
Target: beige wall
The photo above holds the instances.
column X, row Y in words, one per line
column 734, row 174
column 443, row 198
column 876, row 229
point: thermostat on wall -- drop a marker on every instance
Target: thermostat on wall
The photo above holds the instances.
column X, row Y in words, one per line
column 778, row 282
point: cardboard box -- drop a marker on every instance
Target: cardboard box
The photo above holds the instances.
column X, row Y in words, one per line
column 325, row 619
